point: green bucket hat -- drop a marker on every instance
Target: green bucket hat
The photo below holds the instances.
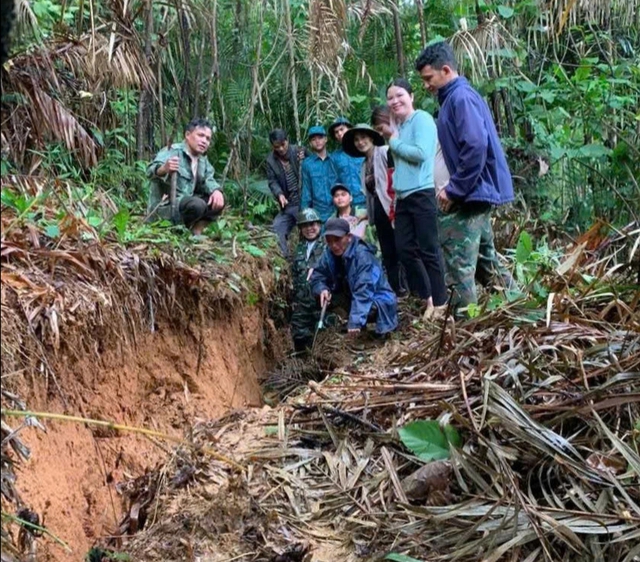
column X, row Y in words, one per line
column 348, row 144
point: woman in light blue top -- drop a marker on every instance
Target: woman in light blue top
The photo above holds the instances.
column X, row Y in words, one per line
column 413, row 139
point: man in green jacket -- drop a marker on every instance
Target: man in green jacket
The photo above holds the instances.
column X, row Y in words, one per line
column 198, row 195
column 305, row 306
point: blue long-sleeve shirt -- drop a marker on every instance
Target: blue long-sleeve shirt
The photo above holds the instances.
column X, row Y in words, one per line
column 318, row 177
column 367, row 282
column 471, row 147
column 414, row 154
column 349, row 173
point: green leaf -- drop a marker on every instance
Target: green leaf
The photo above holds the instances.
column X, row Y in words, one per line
column 473, row 310
column 452, row 435
column 400, row 557
column 254, row 251
column 427, row 440
column 525, row 86
column 120, row 221
column 594, row 150
column 506, row 12
column 52, row 230
column 524, row 248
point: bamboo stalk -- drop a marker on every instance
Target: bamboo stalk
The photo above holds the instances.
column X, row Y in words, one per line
column 120, row 427
column 292, row 68
column 255, row 94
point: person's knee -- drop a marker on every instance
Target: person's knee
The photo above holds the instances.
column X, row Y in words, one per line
column 405, row 253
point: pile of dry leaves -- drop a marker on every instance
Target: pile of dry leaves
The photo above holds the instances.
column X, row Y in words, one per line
column 545, row 402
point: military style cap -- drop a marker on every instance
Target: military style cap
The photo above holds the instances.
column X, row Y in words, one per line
column 317, row 131
column 339, row 121
column 337, row 186
column 307, row 216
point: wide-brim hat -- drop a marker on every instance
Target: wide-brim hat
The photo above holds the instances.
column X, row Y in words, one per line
column 348, row 144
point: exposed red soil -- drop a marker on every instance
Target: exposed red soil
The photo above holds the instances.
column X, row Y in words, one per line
column 155, row 384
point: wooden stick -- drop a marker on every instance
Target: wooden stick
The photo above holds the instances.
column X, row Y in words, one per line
column 119, row 427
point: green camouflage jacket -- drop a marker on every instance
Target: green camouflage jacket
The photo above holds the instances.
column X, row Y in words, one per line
column 205, row 183
column 300, row 269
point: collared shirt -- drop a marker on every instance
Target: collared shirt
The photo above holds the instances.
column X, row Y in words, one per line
column 195, row 176
column 310, row 245
column 318, row 177
column 349, row 169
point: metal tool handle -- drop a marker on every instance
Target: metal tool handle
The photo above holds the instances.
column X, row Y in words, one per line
column 322, row 314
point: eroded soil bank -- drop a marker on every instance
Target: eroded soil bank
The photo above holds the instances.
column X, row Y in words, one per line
column 135, row 338
column 157, row 384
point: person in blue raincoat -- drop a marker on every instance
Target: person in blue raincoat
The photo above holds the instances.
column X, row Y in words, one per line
column 349, row 265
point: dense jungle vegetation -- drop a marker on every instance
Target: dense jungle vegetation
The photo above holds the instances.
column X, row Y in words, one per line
column 94, row 88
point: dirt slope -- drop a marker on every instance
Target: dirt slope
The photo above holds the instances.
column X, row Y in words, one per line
column 72, row 478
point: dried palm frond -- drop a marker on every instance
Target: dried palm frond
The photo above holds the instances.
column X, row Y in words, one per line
column 104, row 64
column 62, row 84
column 327, row 47
column 483, row 49
column 51, row 120
column 327, row 19
column 365, row 10
column 25, row 17
column 563, row 13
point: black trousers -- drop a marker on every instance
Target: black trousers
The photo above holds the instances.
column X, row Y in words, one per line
column 418, row 247
column 387, row 239
column 195, row 209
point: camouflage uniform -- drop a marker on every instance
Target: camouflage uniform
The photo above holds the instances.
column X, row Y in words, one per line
column 306, row 313
column 305, row 308
column 467, row 244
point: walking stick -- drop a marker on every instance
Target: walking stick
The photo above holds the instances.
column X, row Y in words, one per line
column 173, row 200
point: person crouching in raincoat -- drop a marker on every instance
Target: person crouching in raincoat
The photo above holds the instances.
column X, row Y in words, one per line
column 349, row 265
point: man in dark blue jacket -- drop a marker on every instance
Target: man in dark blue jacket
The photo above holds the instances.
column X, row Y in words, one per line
column 349, row 265
column 480, row 177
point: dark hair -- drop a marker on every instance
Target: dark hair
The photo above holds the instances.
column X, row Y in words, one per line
column 197, row 123
column 401, row 83
column 379, row 114
column 278, row 135
column 437, row 56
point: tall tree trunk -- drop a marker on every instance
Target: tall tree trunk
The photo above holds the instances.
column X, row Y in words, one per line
column 423, row 27
column 255, row 93
column 195, row 110
column 214, row 72
column 163, row 127
column 185, row 91
column 144, row 109
column 508, row 113
column 398, row 31
column 292, row 69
